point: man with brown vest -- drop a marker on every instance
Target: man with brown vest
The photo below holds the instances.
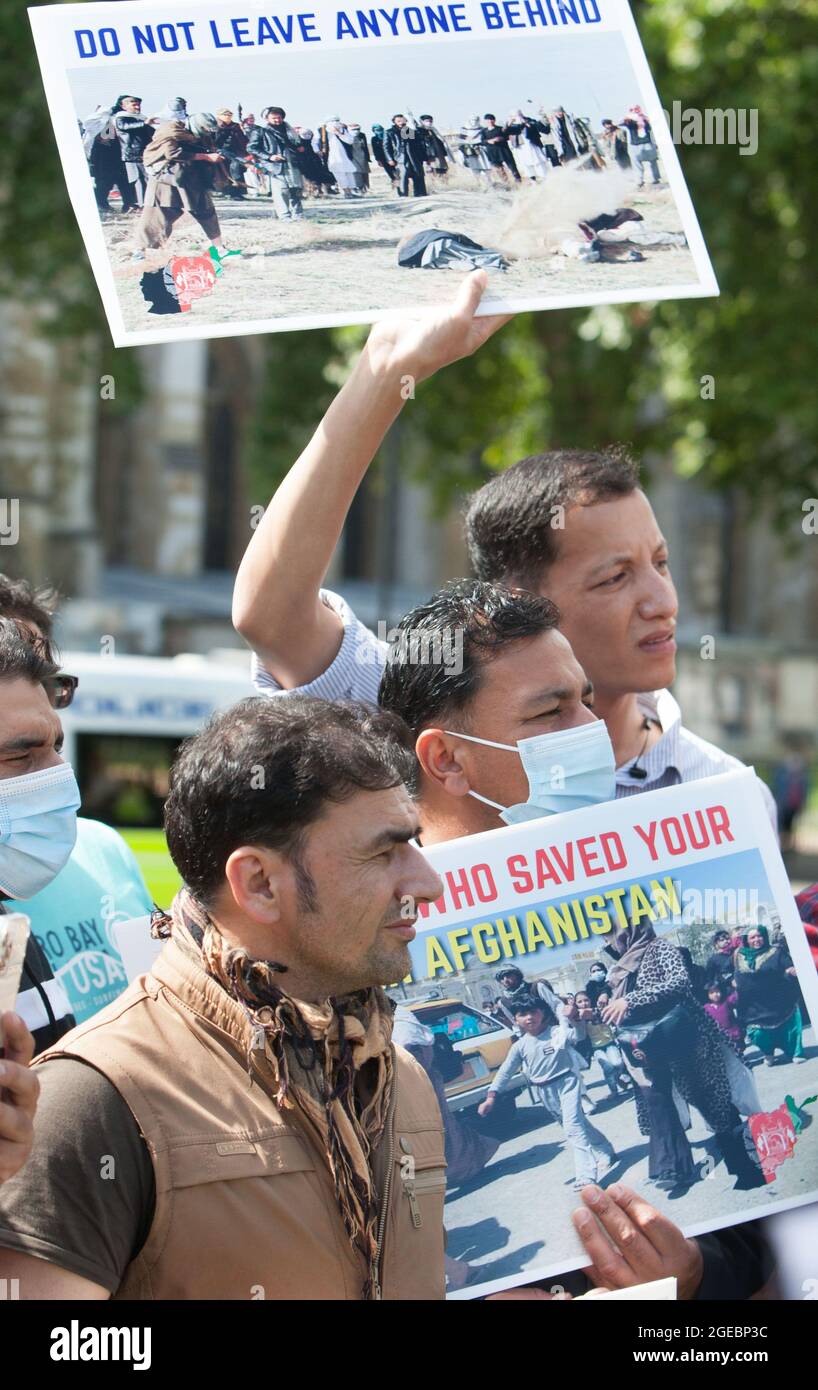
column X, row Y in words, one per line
column 238, row 1124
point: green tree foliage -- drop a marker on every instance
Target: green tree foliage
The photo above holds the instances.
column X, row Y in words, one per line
column 44, row 260
column 44, row 264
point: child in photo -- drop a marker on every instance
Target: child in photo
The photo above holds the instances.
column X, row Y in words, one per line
column 721, row 1006
column 602, row 1040
column 547, row 1055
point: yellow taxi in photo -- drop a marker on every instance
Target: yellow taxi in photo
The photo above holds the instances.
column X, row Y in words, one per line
column 470, row 1047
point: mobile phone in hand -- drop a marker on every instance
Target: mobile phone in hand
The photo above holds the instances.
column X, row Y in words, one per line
column 14, row 932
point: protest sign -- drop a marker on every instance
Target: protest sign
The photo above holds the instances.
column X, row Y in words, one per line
column 418, row 140
column 710, row 1095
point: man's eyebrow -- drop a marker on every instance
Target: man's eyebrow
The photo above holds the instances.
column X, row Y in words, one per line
column 22, row 744
column 610, row 563
column 389, row 836
column 556, row 693
column 25, row 742
column 545, row 697
column 614, row 560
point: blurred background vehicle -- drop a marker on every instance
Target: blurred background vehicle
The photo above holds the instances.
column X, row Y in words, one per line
column 127, row 719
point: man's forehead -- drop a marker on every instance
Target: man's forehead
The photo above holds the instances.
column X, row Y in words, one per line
column 597, row 530
column 367, row 812
column 26, row 713
column 534, row 664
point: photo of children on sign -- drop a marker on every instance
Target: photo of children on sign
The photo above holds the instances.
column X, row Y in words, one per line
column 237, row 171
column 650, row 1029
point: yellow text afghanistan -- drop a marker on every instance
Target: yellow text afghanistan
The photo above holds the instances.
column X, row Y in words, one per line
column 521, row 933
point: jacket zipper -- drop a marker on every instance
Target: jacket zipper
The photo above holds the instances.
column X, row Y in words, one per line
column 377, row 1262
column 409, row 1189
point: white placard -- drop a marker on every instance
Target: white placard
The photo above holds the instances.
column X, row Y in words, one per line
column 456, row 61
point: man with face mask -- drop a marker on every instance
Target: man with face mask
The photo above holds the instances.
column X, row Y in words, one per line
column 74, row 914
column 506, row 731
column 39, row 799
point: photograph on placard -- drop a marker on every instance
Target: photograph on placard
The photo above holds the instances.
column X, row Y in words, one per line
column 361, row 164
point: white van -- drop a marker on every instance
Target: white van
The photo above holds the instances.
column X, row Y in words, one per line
column 129, row 715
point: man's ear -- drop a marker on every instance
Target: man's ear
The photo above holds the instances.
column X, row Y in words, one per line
column 258, row 880
column 439, row 755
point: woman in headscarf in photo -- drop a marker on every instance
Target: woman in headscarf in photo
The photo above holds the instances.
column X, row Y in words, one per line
column 667, row 1040
column 183, row 166
column 768, row 996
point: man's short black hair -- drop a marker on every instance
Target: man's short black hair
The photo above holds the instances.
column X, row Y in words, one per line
column 261, row 772
column 421, row 681
column 19, row 599
column 527, row 1002
column 274, row 111
column 427, row 117
column 24, row 656
column 513, row 522
column 399, row 113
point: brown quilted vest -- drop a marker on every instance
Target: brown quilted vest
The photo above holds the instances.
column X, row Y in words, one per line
column 245, row 1203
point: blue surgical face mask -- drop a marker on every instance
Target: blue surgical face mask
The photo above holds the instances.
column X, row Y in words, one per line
column 565, row 770
column 38, row 828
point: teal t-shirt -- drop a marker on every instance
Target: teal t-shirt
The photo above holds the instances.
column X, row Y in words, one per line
column 75, row 917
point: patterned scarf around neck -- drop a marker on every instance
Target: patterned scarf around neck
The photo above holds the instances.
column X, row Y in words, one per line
column 317, row 1054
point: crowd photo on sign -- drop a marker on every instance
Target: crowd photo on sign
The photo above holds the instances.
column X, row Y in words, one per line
column 565, row 1065
column 475, row 170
